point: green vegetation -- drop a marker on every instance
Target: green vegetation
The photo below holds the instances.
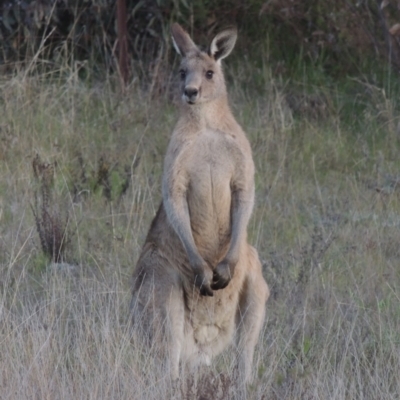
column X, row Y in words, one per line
column 336, row 36
column 326, row 224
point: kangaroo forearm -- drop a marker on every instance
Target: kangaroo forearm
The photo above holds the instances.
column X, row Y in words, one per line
column 240, row 214
column 178, row 216
column 236, row 239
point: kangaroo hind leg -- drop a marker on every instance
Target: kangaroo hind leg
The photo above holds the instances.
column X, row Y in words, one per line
column 250, row 317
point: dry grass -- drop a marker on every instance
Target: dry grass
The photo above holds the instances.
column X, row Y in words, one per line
column 326, row 224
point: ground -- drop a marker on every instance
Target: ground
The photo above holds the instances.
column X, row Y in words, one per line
column 326, row 225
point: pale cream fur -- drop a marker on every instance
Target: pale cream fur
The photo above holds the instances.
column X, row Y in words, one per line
column 198, row 284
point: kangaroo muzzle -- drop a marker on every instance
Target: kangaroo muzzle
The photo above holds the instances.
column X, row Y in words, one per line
column 191, row 94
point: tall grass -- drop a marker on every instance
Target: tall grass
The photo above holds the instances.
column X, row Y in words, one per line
column 326, row 224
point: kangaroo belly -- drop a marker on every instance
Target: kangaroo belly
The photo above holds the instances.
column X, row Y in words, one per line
column 209, row 202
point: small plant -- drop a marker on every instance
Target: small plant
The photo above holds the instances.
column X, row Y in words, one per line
column 51, row 224
column 312, row 254
column 112, row 181
column 208, row 386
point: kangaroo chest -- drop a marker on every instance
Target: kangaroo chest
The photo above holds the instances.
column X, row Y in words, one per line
column 212, row 159
column 212, row 163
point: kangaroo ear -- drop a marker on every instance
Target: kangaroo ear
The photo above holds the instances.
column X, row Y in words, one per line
column 181, row 40
column 222, row 45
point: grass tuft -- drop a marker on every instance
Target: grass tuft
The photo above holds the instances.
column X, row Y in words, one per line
column 51, row 225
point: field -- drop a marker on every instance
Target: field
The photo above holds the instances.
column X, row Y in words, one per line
column 80, row 162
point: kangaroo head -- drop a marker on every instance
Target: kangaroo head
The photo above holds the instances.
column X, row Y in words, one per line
column 200, row 72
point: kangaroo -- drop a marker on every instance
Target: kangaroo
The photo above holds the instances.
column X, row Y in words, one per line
column 198, row 284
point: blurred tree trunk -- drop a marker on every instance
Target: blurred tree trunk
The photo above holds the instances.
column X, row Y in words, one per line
column 122, row 41
column 392, row 45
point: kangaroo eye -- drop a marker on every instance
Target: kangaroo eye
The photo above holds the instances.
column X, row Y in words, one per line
column 209, row 74
column 182, row 73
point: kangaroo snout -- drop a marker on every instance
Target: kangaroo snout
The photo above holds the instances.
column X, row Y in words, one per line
column 191, row 94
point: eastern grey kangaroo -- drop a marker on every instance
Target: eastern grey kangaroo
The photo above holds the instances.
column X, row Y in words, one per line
column 198, row 284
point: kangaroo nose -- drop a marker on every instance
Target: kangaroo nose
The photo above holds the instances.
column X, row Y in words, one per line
column 191, row 92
